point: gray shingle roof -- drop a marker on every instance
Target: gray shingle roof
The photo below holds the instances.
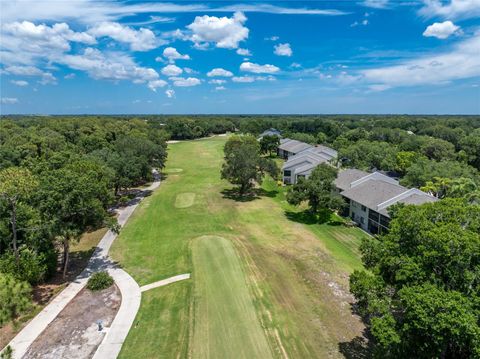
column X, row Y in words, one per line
column 418, row 199
column 371, row 193
column 348, row 176
column 293, row 146
column 317, row 152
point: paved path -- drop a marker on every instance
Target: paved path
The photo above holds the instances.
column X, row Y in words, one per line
column 163, row 282
column 131, row 296
column 118, row 331
column 99, row 261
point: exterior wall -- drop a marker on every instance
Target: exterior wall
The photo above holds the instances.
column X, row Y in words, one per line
column 359, row 214
column 287, row 177
column 283, row 154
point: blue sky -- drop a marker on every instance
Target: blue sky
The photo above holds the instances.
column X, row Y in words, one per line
column 112, row 57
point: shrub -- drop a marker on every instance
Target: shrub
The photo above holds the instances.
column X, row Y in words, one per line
column 15, row 297
column 32, row 267
column 99, row 281
column 7, row 353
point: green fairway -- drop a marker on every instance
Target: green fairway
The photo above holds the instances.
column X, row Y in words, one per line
column 226, row 325
column 184, row 200
column 279, row 284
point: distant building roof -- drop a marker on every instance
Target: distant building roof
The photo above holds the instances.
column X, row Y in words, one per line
column 327, row 150
column 293, row 146
column 322, row 151
column 271, row 132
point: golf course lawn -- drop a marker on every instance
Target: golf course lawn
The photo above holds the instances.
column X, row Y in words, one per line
column 223, row 304
column 266, row 282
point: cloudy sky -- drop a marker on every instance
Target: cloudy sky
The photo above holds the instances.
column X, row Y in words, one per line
column 344, row 56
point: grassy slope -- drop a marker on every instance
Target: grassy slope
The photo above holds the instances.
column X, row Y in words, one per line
column 297, row 272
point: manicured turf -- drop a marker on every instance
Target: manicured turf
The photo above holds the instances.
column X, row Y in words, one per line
column 184, row 200
column 226, row 325
column 293, row 272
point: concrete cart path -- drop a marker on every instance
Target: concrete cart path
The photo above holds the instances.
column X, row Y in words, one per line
column 131, row 297
column 163, row 282
column 118, row 331
column 98, row 261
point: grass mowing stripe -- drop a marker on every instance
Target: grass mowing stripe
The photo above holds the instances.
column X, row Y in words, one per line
column 226, row 325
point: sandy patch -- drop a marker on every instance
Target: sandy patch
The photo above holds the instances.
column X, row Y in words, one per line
column 174, row 170
column 184, row 200
column 74, row 333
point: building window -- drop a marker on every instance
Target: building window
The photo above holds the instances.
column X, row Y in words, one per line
column 364, row 208
column 287, row 173
column 362, row 221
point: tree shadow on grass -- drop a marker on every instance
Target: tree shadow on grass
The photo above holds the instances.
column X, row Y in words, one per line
column 357, row 348
column 308, row 217
column 251, row 195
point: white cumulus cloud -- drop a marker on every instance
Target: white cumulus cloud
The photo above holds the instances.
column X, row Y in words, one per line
column 376, row 4
column 461, row 62
column 172, row 70
column 259, row 69
column 170, row 93
column 24, row 70
column 441, row 30
column 109, row 66
column 283, row 50
column 220, row 88
column 244, row 52
column 25, row 42
column 244, row 79
column 186, row 82
column 153, row 85
column 217, row 82
column 48, row 79
column 225, row 32
column 171, row 54
column 9, row 100
column 453, row 9
column 219, row 72
column 20, row 83
column 139, row 40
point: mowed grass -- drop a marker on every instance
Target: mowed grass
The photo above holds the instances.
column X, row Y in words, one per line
column 226, row 324
column 155, row 244
column 184, row 200
column 295, row 272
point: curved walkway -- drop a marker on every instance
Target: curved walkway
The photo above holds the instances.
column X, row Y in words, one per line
column 118, row 331
column 99, row 261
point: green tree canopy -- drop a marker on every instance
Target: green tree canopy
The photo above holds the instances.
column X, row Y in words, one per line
column 420, row 296
column 243, row 164
column 269, row 144
column 317, row 190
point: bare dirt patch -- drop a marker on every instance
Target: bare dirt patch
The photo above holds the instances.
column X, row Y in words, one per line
column 43, row 293
column 74, row 333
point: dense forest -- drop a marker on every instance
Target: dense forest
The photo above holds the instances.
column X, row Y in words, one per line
column 61, row 175
column 58, row 179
